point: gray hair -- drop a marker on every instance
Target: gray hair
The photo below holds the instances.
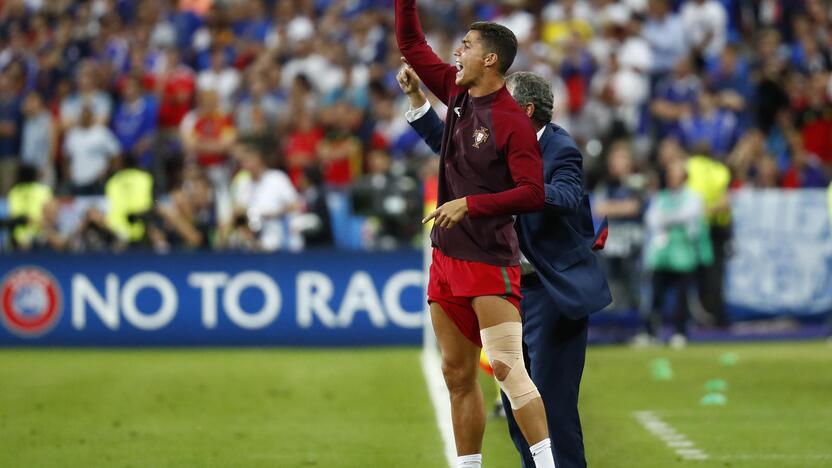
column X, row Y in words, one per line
column 531, row 88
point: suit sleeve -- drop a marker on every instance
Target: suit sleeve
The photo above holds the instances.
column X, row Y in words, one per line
column 565, row 189
column 430, row 127
column 526, row 166
column 437, row 75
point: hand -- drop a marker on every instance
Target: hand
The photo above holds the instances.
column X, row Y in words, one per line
column 449, row 214
column 410, row 84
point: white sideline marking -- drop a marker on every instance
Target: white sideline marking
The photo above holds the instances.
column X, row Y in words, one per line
column 668, row 434
column 776, row 456
column 432, row 368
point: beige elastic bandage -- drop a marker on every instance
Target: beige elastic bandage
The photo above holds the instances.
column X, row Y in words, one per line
column 504, row 343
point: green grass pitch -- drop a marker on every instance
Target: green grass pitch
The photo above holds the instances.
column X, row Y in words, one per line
column 370, row 408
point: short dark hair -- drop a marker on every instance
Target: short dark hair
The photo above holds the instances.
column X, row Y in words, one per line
column 499, row 40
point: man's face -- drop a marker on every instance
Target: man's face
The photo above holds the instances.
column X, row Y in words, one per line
column 470, row 60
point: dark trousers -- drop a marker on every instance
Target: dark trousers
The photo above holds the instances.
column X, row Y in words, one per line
column 664, row 282
column 555, row 350
column 710, row 279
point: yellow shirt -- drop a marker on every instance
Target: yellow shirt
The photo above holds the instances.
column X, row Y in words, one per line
column 557, row 32
column 28, row 200
column 710, row 179
column 129, row 191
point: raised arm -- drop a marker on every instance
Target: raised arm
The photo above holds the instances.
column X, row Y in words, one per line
column 526, row 167
column 438, row 76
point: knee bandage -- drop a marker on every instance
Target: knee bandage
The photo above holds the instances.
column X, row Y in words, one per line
column 503, row 343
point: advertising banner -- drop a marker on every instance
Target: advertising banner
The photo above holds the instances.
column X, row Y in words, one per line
column 310, row 299
column 782, row 254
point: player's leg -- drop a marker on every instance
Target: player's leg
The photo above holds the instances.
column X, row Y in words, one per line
column 460, row 364
column 517, row 436
column 502, row 336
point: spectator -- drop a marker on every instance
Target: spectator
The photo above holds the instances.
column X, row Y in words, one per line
column 390, row 198
column 710, row 179
column 620, row 198
column 264, row 200
column 9, row 133
column 665, row 33
column 807, row 55
column 805, row 170
column 207, row 136
column 134, row 122
column 728, row 76
column 750, row 163
column 564, row 20
column 674, row 249
column 675, row 97
column 26, row 202
column 317, row 229
column 90, row 149
column 705, row 24
column 766, row 174
column 88, row 95
column 39, row 139
column 258, row 112
column 709, row 127
column 93, row 234
column 302, row 146
column 770, row 93
column 219, row 78
column 814, row 116
column 340, row 152
column 174, row 83
column 189, row 218
column 130, row 201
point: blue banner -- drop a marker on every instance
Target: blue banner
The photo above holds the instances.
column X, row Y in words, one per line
column 322, row 298
column 782, row 259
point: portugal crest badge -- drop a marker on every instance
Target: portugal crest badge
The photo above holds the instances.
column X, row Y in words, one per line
column 480, row 136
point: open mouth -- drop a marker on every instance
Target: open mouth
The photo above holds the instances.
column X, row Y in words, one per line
column 458, row 69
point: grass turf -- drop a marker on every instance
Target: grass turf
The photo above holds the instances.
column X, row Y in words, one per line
column 362, row 408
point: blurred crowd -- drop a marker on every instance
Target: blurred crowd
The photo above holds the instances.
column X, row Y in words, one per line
column 263, row 125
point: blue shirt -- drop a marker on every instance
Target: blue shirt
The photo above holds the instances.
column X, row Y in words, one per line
column 667, row 41
column 720, row 131
column 677, row 91
column 132, row 123
column 10, row 112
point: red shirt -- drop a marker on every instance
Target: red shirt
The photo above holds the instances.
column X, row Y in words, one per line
column 177, row 95
column 489, row 155
column 211, row 127
column 816, row 130
column 300, row 151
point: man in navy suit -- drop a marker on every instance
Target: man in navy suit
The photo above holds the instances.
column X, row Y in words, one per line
column 562, row 282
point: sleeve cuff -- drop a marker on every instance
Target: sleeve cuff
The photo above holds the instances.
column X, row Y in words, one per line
column 473, row 207
column 413, row 115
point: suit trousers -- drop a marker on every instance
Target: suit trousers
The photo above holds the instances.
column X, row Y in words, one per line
column 555, row 350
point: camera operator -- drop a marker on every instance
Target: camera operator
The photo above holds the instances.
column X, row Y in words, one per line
column 264, row 200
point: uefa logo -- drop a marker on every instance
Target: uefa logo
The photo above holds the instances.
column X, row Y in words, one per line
column 30, row 300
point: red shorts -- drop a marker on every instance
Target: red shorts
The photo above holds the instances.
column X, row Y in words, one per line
column 454, row 283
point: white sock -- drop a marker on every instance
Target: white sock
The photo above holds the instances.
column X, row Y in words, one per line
column 469, row 461
column 542, row 454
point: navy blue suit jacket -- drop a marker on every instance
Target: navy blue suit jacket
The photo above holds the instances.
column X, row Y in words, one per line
column 558, row 240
